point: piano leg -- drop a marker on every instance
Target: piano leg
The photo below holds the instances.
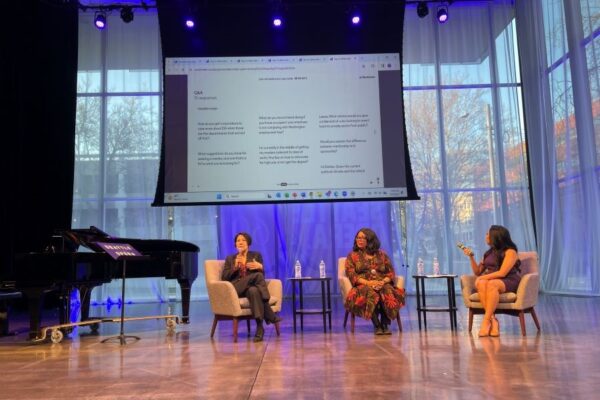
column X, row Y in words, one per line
column 3, row 317
column 64, row 310
column 35, row 301
column 186, row 290
column 84, row 298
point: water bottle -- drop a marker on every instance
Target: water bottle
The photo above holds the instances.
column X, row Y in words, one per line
column 436, row 266
column 420, row 267
column 322, row 269
column 297, row 269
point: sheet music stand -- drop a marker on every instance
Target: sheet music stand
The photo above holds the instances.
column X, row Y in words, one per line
column 122, row 252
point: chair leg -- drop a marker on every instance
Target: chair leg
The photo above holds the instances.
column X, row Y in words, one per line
column 399, row 323
column 214, row 326
column 277, row 328
column 248, row 325
column 235, row 329
column 346, row 318
column 534, row 316
column 470, row 319
column 352, row 322
column 522, row 322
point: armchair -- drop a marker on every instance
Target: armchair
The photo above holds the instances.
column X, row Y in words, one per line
column 225, row 303
column 345, row 287
column 516, row 304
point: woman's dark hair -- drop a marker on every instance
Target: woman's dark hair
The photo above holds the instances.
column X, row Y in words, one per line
column 500, row 241
column 373, row 243
column 245, row 235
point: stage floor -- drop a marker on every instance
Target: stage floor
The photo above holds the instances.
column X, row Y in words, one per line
column 560, row 362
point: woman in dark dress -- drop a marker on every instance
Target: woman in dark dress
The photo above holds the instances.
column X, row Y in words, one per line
column 245, row 270
column 498, row 272
column 373, row 295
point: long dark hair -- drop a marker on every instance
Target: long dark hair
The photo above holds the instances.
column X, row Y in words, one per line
column 373, row 242
column 500, row 241
column 245, row 235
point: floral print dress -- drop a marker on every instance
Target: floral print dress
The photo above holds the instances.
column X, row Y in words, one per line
column 362, row 299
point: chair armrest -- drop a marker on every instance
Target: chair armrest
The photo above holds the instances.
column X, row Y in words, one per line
column 275, row 287
column 399, row 282
column 345, row 286
column 223, row 298
column 527, row 292
column 467, row 285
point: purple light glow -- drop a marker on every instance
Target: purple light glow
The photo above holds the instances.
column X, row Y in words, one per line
column 100, row 21
column 277, row 22
column 189, row 23
column 356, row 19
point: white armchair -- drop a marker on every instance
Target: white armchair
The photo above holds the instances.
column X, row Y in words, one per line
column 225, row 303
column 345, row 287
column 516, row 304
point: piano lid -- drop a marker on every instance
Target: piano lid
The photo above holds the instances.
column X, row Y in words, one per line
column 89, row 238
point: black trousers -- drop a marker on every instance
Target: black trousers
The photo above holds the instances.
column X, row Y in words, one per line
column 254, row 287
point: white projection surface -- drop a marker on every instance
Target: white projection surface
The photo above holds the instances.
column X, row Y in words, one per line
column 285, row 128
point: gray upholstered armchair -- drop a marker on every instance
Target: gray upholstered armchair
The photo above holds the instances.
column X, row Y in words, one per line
column 225, row 303
column 516, row 304
column 345, row 287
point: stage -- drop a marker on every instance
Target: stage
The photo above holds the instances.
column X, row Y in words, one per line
column 560, row 362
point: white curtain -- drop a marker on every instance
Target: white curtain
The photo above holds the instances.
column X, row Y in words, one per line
column 560, row 57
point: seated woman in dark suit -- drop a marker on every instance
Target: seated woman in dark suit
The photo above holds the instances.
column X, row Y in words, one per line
column 498, row 272
column 373, row 295
column 245, row 270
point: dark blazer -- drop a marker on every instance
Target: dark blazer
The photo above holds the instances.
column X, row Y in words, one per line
column 229, row 271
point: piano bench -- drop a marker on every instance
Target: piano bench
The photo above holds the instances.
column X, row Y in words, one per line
column 4, row 298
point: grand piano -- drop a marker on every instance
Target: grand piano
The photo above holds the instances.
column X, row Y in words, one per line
column 62, row 268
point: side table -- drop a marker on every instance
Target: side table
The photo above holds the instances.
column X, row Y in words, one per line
column 422, row 307
column 325, row 310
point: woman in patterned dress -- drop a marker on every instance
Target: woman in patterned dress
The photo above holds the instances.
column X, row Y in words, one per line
column 373, row 295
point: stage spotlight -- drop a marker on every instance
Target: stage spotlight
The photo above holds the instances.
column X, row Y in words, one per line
column 189, row 23
column 422, row 9
column 277, row 21
column 355, row 18
column 127, row 14
column 100, row 20
column 442, row 14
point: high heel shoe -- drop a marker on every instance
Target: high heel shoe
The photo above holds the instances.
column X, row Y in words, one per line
column 486, row 327
column 495, row 327
column 260, row 332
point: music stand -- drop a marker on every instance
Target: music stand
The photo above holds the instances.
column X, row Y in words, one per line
column 122, row 252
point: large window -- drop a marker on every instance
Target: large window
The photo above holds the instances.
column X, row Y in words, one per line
column 465, row 132
column 572, row 188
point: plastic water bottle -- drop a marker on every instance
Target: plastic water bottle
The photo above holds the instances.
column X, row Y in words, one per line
column 297, row 269
column 420, row 267
column 322, row 269
column 436, row 266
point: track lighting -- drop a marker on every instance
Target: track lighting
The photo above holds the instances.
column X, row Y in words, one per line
column 127, row 14
column 422, row 9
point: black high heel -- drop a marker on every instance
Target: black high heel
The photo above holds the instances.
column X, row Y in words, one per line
column 260, row 333
column 275, row 320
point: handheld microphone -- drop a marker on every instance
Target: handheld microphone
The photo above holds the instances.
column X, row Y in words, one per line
column 462, row 246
